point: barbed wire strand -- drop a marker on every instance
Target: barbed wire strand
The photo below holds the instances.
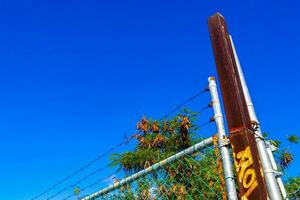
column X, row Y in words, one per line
column 186, row 102
column 127, row 140
column 91, row 185
column 107, row 166
column 203, row 109
column 79, row 181
column 83, row 168
column 212, row 119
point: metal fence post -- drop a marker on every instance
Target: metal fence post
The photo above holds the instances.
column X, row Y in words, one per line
column 241, row 134
column 270, row 172
column 278, row 178
column 222, row 140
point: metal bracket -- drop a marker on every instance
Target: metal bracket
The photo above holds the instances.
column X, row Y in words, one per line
column 224, row 142
column 271, row 146
column 275, row 172
column 278, row 173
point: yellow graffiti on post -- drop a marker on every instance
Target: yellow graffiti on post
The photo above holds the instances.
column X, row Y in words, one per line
column 246, row 174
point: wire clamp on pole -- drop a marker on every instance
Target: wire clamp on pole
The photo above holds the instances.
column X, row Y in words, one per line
column 256, row 128
column 275, row 172
column 224, row 142
column 270, row 145
column 278, row 173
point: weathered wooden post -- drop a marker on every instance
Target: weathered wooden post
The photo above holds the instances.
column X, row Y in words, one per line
column 247, row 163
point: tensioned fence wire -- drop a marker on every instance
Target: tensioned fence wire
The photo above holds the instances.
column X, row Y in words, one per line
column 86, row 166
column 190, row 174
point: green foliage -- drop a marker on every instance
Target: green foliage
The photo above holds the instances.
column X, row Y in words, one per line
column 285, row 159
column 76, row 190
column 293, row 139
column 157, row 140
column 192, row 177
column 265, row 134
column 284, row 155
column 293, row 187
column 276, row 143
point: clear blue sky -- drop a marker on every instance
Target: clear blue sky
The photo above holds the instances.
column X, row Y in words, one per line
column 76, row 75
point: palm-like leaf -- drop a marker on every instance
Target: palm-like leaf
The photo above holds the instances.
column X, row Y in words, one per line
column 285, row 159
column 293, row 139
column 276, row 143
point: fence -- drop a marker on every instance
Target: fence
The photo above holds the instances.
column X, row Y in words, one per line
column 204, row 171
column 194, row 173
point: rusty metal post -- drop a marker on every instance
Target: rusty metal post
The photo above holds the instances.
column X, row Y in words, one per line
column 241, row 134
column 274, row 183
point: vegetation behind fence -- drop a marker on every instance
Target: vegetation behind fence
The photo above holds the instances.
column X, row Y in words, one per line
column 191, row 175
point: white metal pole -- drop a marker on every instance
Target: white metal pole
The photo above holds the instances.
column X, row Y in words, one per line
column 222, row 140
column 204, row 143
column 269, row 173
column 278, row 178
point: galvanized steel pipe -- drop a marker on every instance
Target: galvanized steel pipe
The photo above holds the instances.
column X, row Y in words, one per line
column 226, row 161
column 190, row 150
column 269, row 172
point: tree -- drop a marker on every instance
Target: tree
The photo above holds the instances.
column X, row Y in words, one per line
column 292, row 187
column 187, row 178
column 284, row 159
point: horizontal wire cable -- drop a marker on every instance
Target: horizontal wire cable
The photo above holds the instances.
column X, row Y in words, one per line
column 98, row 181
column 91, row 185
column 206, row 123
column 83, row 168
column 203, row 109
column 114, row 148
column 79, row 181
column 186, row 102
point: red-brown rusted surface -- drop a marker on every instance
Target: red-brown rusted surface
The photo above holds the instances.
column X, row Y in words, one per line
column 247, row 163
